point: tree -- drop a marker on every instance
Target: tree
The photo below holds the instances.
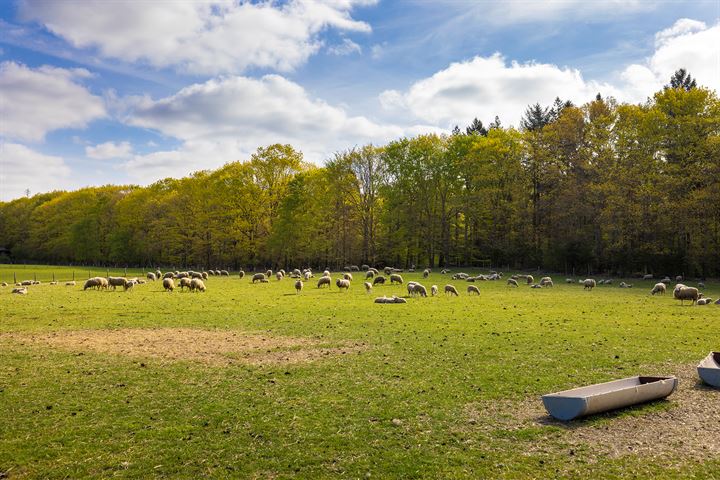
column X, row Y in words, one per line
column 476, row 128
column 535, row 118
column 682, row 79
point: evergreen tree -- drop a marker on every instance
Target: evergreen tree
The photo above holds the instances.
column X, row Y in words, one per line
column 476, row 127
column 535, row 117
column 682, row 79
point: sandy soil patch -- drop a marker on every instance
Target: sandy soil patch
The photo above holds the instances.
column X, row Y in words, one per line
column 687, row 429
column 212, row 347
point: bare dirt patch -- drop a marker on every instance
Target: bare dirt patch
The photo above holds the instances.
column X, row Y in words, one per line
column 686, row 429
column 212, row 347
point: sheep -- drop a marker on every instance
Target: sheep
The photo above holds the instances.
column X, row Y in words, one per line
column 704, row 301
column 92, row 283
column 168, row 284
column 470, row 279
column 395, row 278
column 342, row 283
column 184, row 282
column 426, row 273
column 269, row 273
column 530, row 280
column 364, row 267
column 324, row 281
column 26, row 283
column 679, row 278
column 197, row 284
column 298, row 286
column 434, row 290
column 625, row 285
column 151, row 276
column 169, row 275
column 104, row 283
column 115, row 282
column 682, row 293
column 70, row 284
column 348, row 276
column 258, row 277
column 279, row 276
column 609, row 281
column 666, row 280
column 379, row 279
column 392, row 299
column 536, row 285
column 717, row 302
column 354, row 268
column 444, row 271
column 569, row 280
column 326, row 273
column 546, row 282
column 410, row 286
column 3, row 284
column 649, row 276
column 658, row 288
column 451, row 290
column 194, row 274
column 282, row 270
column 296, row 271
column 473, row 289
column 368, row 287
column 158, row 274
column 20, row 290
column 388, row 270
column 128, row 285
column 182, row 275
column 369, row 274
column 701, row 285
column 211, row 272
column 589, row 284
column 224, row 273
column 307, row 275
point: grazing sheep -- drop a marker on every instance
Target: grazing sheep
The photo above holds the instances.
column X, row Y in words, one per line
column 546, row 282
column 530, row 280
column 395, row 278
column 104, row 282
column 379, row 279
column 658, row 288
column 92, row 283
column 701, row 285
column 368, row 287
column 342, row 283
column 298, row 286
column 158, row 274
column 444, row 271
column 128, row 285
column 433, row 290
column 204, row 275
column 512, row 282
column 364, row 267
column 195, row 275
column 297, row 272
column 211, row 272
column 115, row 282
column 473, row 289
column 426, row 273
column 704, row 301
column 682, row 293
column 169, row 275
column 324, row 281
column 348, row 276
column 197, row 284
column 369, row 274
column 258, row 277
column 589, row 284
column 326, row 273
column 679, row 278
column 410, row 286
column 666, row 281
column 168, row 284
column 182, row 275
column 307, row 275
column 224, row 273
column 388, row 270
column 419, row 290
column 184, row 282
column 649, row 276
column 279, row 276
column 20, row 290
column 151, row 276
column 354, row 268
column 451, row 290
column 282, row 270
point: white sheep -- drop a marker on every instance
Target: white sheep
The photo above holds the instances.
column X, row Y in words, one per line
column 20, row 290
column 348, row 276
column 324, row 281
column 419, row 290
column 658, row 288
column 92, row 283
column 151, row 276
column 473, row 289
column 279, row 276
column 704, row 301
column 512, row 282
column 70, row 284
column 546, row 282
column 433, row 290
column 589, row 284
column 451, row 290
column 426, row 273
column 396, row 278
column 197, row 284
column 168, row 284
column 649, row 276
column 369, row 274
column 342, row 283
column 529, row 279
column 184, row 282
column 682, row 293
column 368, row 287
column 258, row 277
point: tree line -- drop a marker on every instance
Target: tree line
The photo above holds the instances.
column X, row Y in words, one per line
column 604, row 187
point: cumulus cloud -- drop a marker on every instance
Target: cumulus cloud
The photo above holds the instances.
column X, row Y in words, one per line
column 109, row 151
column 227, row 118
column 199, row 36
column 34, row 101
column 22, row 168
column 487, row 86
column 687, row 44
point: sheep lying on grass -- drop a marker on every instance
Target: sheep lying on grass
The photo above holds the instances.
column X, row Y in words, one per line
column 20, row 290
column 625, row 285
column 473, row 289
column 704, row 301
column 546, row 282
column 70, row 284
column 392, row 299
column 451, row 290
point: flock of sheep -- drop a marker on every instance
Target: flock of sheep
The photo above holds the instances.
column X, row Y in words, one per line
column 195, row 282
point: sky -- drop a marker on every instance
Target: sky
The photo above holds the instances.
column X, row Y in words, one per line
column 96, row 92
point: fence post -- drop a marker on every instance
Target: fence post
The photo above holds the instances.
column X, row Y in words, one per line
column 73, row 275
column 14, row 277
column 53, row 277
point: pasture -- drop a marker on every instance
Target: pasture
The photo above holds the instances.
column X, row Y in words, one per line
column 255, row 381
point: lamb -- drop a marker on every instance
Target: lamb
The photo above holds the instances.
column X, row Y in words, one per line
column 298, row 286
column 324, row 281
column 184, row 282
column 368, row 287
column 395, row 278
column 342, row 283
column 379, row 279
column 682, row 293
column 704, row 301
column 451, row 290
column 426, row 272
column 197, row 284
column 512, row 282
column 434, row 290
column 589, row 284
column 20, row 290
column 348, row 276
column 258, row 277
column 151, row 276
column 546, row 282
column 658, row 288
column 369, row 274
column 530, row 280
column 473, row 289
column 168, row 284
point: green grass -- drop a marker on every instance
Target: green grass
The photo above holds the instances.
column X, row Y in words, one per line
column 99, row 415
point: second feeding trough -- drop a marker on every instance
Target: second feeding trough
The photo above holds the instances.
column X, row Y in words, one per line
column 601, row 397
column 709, row 369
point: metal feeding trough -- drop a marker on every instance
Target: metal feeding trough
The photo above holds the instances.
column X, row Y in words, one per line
column 709, row 369
column 578, row 402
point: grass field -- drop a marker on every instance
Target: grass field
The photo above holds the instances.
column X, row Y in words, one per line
column 254, row 381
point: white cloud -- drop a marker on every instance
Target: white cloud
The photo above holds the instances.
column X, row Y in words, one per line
column 36, row 101
column 199, row 36
column 487, row 86
column 22, row 168
column 520, row 11
column 227, row 118
column 347, row 47
column 109, row 151
column 688, row 44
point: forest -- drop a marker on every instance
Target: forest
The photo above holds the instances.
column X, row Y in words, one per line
column 600, row 187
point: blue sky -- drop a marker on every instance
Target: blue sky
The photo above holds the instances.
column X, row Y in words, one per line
column 95, row 92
